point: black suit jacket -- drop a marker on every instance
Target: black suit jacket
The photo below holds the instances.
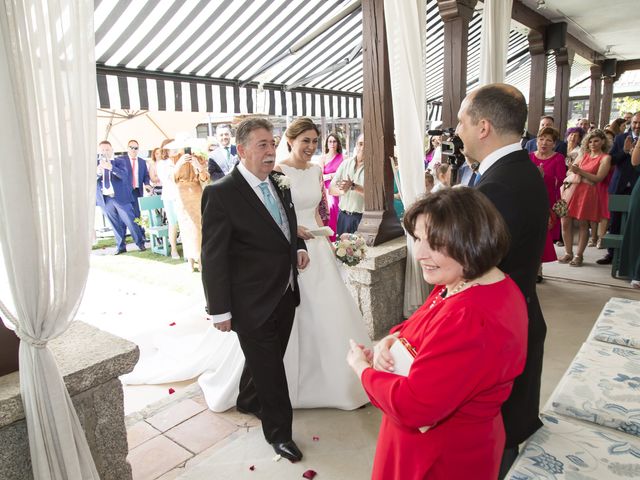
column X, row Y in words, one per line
column 246, row 259
column 625, row 175
column 515, row 187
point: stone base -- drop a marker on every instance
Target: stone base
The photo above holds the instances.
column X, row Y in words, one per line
column 377, row 284
column 90, row 361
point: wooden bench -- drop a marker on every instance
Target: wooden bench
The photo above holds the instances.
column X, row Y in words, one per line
column 617, row 203
column 158, row 232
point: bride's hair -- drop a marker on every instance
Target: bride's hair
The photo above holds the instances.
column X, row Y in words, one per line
column 299, row 125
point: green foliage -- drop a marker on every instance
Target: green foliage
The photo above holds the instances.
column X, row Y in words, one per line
column 627, row 104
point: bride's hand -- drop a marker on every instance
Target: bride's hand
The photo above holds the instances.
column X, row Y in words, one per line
column 382, row 359
column 303, row 233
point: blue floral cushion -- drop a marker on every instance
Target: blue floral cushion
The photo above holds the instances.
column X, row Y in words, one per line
column 602, row 385
column 569, row 449
column 618, row 323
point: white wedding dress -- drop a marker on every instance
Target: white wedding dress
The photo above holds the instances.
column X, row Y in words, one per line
column 315, row 361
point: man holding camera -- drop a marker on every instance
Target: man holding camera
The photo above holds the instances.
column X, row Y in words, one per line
column 115, row 198
column 490, row 122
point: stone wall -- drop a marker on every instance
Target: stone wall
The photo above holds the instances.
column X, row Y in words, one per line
column 91, row 362
column 377, row 284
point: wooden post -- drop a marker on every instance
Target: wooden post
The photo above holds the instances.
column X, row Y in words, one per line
column 379, row 222
column 538, row 80
column 595, row 96
column 9, row 344
column 564, row 59
column 456, row 15
column 607, row 98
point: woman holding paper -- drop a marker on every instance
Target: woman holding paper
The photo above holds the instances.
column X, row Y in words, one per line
column 327, row 316
column 462, row 349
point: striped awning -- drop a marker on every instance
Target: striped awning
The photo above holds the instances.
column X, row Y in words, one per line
column 234, row 57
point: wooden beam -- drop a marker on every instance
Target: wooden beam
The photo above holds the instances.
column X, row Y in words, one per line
column 607, row 98
column 456, row 15
column 537, row 81
column 532, row 19
column 626, row 65
column 379, row 221
column 595, row 95
column 564, row 59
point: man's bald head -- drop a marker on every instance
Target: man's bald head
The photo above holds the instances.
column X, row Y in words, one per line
column 501, row 104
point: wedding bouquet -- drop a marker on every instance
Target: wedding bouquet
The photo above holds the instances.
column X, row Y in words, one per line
column 350, row 249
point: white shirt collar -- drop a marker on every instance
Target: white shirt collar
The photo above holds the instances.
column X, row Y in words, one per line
column 496, row 155
column 252, row 180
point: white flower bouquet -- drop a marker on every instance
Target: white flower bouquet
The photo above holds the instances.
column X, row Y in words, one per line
column 350, row 249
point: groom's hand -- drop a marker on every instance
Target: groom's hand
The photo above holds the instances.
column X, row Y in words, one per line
column 223, row 326
column 303, row 259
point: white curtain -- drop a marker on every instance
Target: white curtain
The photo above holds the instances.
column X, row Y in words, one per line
column 405, row 23
column 494, row 40
column 47, row 188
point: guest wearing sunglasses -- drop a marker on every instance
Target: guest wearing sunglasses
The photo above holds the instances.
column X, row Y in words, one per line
column 138, row 174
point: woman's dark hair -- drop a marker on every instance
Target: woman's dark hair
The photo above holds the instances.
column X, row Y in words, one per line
column 617, row 126
column 326, row 143
column 549, row 131
column 463, row 224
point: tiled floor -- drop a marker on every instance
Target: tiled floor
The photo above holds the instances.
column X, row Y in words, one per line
column 179, row 438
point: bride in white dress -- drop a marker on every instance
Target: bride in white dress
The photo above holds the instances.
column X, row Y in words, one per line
column 317, row 372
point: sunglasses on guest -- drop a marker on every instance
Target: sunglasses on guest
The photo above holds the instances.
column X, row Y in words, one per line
column 131, row 147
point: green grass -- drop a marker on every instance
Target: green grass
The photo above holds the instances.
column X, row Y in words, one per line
column 109, row 242
column 146, row 255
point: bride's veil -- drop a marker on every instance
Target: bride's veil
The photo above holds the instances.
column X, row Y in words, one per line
column 282, row 152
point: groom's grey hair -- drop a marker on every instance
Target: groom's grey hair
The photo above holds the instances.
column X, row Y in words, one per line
column 249, row 125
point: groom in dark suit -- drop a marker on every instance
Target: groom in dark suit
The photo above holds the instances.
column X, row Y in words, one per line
column 250, row 261
column 490, row 123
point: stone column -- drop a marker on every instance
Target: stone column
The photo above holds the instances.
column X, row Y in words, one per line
column 607, row 98
column 538, row 80
column 595, row 96
column 456, row 15
column 564, row 59
column 379, row 222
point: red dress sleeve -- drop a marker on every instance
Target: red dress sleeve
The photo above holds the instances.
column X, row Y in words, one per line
column 449, row 368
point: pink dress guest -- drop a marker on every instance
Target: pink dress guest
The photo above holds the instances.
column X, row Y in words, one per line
column 585, row 203
column 555, row 171
column 329, row 169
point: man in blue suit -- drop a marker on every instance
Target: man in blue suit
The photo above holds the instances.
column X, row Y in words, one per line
column 225, row 157
column 138, row 174
column 624, row 175
column 114, row 197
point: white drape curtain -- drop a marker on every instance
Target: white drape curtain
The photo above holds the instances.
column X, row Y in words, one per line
column 47, row 188
column 405, row 23
column 494, row 40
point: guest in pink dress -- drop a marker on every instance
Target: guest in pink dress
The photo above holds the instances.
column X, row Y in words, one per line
column 551, row 165
column 584, row 204
column 329, row 163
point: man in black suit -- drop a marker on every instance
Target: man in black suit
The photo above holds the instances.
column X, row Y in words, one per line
column 491, row 120
column 624, row 175
column 250, row 261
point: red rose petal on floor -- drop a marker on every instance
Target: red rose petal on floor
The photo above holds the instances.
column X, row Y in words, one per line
column 315, row 439
column 252, row 468
column 172, row 324
column 171, row 391
column 309, row 474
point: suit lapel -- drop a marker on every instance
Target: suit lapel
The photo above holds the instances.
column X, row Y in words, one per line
column 287, row 204
column 250, row 195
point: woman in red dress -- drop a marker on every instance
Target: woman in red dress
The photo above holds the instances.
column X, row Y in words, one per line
column 329, row 163
column 443, row 420
column 552, row 167
column 585, row 202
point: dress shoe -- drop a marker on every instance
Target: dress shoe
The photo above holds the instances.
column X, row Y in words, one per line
column 288, row 450
column 606, row 260
column 247, row 412
column 142, row 248
column 118, row 252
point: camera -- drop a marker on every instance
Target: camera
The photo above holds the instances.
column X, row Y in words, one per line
column 187, row 150
column 451, row 146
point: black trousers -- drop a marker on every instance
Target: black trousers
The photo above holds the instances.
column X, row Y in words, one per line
column 263, row 384
column 347, row 222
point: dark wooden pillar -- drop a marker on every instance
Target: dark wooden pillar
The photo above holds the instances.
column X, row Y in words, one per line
column 379, row 222
column 538, row 80
column 456, row 15
column 564, row 59
column 607, row 98
column 9, row 344
column 595, row 96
